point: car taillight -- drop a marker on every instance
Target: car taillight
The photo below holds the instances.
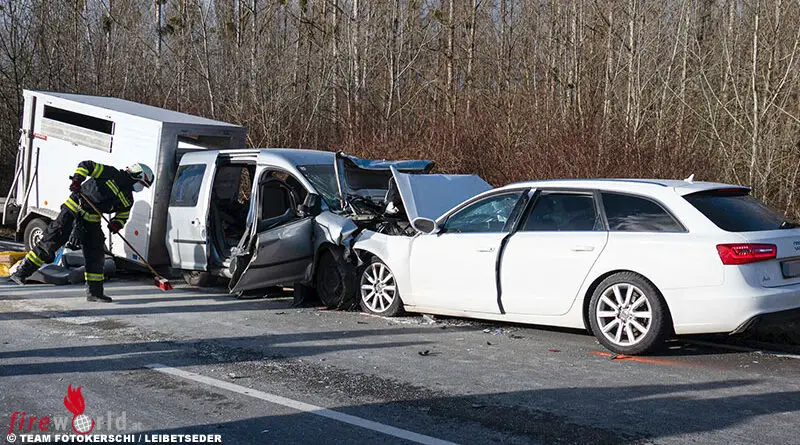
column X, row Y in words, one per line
column 746, row 253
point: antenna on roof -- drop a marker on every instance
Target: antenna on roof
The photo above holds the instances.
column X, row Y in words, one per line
column 690, row 179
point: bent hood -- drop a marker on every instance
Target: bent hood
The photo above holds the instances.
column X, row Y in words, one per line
column 369, row 177
column 430, row 196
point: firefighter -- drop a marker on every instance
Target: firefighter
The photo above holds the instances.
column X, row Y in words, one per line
column 111, row 191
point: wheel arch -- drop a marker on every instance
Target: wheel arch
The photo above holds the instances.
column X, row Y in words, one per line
column 587, row 297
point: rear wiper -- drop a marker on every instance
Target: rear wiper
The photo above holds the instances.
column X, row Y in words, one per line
column 788, row 225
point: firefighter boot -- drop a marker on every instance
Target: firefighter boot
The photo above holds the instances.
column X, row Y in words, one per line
column 94, row 292
column 26, row 269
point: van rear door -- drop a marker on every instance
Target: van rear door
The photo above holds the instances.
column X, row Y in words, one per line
column 187, row 240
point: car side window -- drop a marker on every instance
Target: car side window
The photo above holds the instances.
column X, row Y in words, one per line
column 485, row 216
column 626, row 213
column 563, row 212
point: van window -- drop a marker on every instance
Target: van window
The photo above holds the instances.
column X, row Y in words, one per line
column 186, row 189
column 626, row 213
column 79, row 120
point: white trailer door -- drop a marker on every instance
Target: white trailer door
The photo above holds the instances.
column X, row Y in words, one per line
column 187, row 240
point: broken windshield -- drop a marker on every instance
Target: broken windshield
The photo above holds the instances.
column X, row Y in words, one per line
column 323, row 178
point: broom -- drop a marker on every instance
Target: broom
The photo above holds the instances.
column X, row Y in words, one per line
column 160, row 281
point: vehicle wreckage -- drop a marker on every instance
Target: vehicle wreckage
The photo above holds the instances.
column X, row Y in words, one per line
column 288, row 217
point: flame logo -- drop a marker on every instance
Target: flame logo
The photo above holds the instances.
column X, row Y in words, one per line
column 74, row 402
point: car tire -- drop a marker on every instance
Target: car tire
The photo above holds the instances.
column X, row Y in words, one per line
column 378, row 293
column 198, row 278
column 34, row 232
column 619, row 311
column 335, row 280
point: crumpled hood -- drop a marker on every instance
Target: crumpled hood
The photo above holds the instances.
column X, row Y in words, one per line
column 431, row 196
column 370, row 177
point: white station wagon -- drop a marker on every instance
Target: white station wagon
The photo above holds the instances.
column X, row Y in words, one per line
column 633, row 261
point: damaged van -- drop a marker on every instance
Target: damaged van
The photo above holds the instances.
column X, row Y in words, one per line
column 285, row 217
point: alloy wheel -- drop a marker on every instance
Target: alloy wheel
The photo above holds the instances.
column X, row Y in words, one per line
column 624, row 314
column 378, row 287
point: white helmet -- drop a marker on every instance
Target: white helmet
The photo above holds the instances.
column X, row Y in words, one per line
column 141, row 173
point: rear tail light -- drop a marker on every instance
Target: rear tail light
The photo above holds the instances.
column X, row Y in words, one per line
column 746, row 253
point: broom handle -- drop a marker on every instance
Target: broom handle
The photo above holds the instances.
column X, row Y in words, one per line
column 91, row 204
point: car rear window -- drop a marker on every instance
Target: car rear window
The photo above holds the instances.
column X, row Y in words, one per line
column 734, row 210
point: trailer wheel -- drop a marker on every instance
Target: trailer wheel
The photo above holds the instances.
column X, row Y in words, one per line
column 198, row 278
column 34, row 232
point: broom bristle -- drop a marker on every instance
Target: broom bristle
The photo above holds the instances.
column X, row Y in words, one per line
column 163, row 284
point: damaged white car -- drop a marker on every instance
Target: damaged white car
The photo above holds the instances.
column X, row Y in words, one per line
column 632, row 261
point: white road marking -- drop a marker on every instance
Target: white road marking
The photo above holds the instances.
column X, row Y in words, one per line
column 301, row 406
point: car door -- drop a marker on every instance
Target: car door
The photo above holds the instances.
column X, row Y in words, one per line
column 547, row 259
column 455, row 269
column 187, row 215
column 280, row 246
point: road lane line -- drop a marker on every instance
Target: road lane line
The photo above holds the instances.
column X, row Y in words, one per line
column 301, row 406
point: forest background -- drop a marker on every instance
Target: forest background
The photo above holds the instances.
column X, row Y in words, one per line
column 508, row 89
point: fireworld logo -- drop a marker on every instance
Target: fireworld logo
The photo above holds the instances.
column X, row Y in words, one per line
column 81, row 423
column 24, row 423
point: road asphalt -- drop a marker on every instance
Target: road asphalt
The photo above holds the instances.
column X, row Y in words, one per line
column 254, row 371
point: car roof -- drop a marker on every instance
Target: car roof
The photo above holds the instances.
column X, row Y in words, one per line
column 682, row 187
column 299, row 156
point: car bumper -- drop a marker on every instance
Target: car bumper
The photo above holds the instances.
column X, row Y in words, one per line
column 771, row 319
column 722, row 309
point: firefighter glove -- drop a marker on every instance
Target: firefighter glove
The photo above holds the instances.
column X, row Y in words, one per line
column 75, row 187
column 114, row 226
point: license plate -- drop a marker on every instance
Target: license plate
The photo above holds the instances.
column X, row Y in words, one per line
column 790, row 269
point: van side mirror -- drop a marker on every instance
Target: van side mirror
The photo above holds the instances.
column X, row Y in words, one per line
column 312, row 205
column 425, row 225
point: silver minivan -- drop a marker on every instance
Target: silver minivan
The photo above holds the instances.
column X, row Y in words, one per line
column 279, row 217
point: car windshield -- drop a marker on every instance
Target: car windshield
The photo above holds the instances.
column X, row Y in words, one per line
column 734, row 210
column 323, row 178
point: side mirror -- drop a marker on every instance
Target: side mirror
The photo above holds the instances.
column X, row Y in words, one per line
column 312, row 205
column 425, row 225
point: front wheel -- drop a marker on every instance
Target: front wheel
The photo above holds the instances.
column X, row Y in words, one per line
column 378, row 290
column 334, row 280
column 628, row 314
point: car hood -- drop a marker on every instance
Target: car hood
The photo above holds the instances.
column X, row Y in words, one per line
column 430, row 196
column 369, row 177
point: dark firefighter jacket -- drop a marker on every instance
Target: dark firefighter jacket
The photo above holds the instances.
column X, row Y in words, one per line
column 109, row 189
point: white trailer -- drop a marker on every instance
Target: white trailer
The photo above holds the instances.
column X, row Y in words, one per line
column 59, row 130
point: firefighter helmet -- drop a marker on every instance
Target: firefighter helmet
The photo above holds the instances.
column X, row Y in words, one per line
column 141, row 173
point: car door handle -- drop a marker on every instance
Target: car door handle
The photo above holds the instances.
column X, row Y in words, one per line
column 582, row 248
column 486, row 249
